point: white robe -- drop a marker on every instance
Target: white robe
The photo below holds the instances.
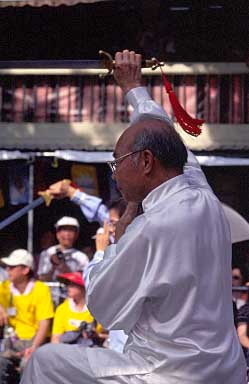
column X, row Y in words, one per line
column 167, row 284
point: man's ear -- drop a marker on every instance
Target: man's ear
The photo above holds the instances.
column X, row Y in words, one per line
column 149, row 160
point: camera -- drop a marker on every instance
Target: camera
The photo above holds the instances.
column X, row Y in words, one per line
column 89, row 328
column 60, row 254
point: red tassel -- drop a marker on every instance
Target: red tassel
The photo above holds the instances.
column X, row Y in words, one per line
column 74, row 185
column 188, row 123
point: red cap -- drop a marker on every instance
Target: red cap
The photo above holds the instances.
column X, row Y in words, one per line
column 71, row 277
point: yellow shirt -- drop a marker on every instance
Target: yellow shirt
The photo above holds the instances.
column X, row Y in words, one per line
column 29, row 309
column 66, row 319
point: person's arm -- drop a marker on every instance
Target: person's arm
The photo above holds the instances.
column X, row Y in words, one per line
column 102, row 241
column 128, row 76
column 92, row 207
column 3, row 316
column 4, row 302
column 242, row 333
column 122, row 281
column 55, row 339
column 39, row 338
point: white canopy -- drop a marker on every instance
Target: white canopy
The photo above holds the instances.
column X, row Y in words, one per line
column 39, row 3
column 238, row 225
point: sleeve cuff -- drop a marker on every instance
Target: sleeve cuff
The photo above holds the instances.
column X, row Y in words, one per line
column 78, row 197
column 137, row 95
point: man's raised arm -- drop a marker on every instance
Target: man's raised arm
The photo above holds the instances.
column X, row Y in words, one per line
column 128, row 76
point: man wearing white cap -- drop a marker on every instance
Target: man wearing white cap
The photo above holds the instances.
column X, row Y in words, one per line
column 26, row 310
column 62, row 258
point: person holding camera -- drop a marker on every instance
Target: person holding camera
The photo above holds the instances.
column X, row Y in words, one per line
column 73, row 323
column 63, row 257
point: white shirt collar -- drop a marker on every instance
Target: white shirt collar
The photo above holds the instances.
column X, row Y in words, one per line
column 15, row 292
column 73, row 307
column 165, row 190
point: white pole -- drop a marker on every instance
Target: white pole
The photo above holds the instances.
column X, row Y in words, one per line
column 31, row 212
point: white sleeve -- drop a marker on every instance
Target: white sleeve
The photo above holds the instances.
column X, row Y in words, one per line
column 91, row 206
column 121, row 283
column 98, row 256
column 143, row 104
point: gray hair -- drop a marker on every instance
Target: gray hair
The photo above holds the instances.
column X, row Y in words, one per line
column 164, row 142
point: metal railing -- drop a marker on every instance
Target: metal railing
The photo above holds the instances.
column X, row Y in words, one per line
column 217, row 98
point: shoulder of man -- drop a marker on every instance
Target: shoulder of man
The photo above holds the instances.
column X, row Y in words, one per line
column 49, row 251
column 62, row 307
column 243, row 314
column 5, row 286
column 76, row 253
column 41, row 286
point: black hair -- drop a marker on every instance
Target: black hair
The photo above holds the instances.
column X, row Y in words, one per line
column 164, row 142
column 120, row 205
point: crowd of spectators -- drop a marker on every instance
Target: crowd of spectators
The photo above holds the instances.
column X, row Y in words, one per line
column 43, row 299
column 46, row 302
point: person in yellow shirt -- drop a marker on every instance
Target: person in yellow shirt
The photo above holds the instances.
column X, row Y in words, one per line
column 26, row 310
column 73, row 323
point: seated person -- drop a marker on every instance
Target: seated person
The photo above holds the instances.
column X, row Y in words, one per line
column 237, row 281
column 62, row 258
column 26, row 311
column 72, row 315
column 242, row 329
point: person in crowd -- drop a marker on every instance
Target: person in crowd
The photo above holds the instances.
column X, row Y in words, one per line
column 242, row 329
column 154, row 282
column 237, row 281
column 91, row 206
column 26, row 311
column 73, row 314
column 63, row 257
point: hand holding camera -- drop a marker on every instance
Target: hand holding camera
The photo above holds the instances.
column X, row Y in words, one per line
column 58, row 261
column 57, row 258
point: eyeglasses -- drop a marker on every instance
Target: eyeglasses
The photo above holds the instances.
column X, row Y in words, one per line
column 113, row 164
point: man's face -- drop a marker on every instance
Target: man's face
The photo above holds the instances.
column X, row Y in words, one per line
column 236, row 277
column 67, row 235
column 17, row 274
column 113, row 219
column 128, row 176
column 75, row 291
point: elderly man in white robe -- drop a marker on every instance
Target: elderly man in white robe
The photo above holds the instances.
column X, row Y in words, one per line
column 167, row 280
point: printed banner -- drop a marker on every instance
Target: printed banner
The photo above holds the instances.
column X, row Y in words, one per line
column 85, row 176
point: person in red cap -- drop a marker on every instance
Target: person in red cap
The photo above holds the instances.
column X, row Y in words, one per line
column 70, row 315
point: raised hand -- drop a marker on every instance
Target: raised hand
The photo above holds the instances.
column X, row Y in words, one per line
column 103, row 238
column 127, row 72
column 61, row 189
column 130, row 213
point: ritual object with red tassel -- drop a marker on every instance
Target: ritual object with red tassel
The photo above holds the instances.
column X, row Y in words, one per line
column 190, row 125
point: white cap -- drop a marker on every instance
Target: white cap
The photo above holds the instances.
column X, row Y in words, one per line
column 65, row 221
column 19, row 257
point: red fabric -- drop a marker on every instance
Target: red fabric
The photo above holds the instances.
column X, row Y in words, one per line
column 189, row 124
column 71, row 277
column 74, row 185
